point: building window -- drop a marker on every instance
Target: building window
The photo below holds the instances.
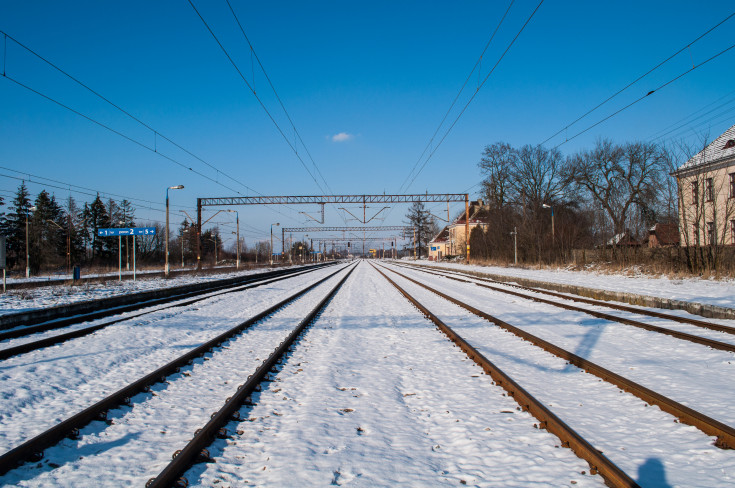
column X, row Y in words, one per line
column 709, row 190
column 695, row 193
column 695, row 234
column 732, row 185
column 711, row 233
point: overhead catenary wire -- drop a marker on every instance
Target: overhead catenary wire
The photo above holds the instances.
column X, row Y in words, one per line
column 454, row 102
column 250, row 87
column 492, row 70
column 649, row 93
column 122, row 110
column 156, row 133
column 637, row 79
column 255, row 56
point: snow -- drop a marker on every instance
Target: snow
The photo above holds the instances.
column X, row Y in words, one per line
column 714, row 292
column 608, row 418
column 48, row 296
column 372, row 395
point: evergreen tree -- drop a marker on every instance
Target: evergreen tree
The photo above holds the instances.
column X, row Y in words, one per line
column 48, row 236
column 14, row 227
column 425, row 224
column 74, row 225
column 97, row 218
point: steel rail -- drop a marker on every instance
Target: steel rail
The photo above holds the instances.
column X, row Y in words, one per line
column 101, row 311
column 601, row 303
column 64, row 315
column 724, row 346
column 725, row 434
column 182, row 460
column 59, row 338
column 32, row 450
column 599, row 463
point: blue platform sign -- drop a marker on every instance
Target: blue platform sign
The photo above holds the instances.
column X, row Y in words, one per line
column 127, row 231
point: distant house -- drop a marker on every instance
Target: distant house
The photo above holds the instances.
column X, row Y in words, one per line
column 624, row 239
column 451, row 241
column 706, row 185
column 663, row 235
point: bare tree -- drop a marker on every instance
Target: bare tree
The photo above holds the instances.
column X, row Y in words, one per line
column 621, row 179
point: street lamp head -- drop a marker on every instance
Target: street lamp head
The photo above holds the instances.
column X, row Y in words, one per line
column 177, row 187
column 545, row 205
column 33, row 208
column 277, row 224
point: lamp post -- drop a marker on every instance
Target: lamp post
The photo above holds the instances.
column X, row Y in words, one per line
column 515, row 245
column 237, row 219
column 276, row 224
column 552, row 218
column 185, row 231
column 177, row 187
column 28, row 252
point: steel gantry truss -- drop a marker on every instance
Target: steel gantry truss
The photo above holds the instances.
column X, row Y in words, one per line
column 389, row 228
column 324, row 199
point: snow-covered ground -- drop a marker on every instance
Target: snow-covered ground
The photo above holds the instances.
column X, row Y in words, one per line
column 373, row 395
column 714, row 292
column 48, row 296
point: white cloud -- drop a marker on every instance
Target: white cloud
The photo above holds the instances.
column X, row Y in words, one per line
column 342, row 137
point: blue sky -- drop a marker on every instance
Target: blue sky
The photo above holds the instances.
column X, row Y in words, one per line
column 381, row 74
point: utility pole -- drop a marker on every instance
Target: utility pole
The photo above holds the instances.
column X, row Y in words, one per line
column 414, row 243
column 515, row 244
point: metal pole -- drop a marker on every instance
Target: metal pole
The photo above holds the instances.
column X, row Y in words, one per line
column 515, row 245
column 182, row 249
column 414, row 243
column 237, row 218
column 119, row 257
column 28, row 253
column 133, row 257
column 199, row 233
column 165, row 269
column 467, row 224
column 271, row 244
column 552, row 223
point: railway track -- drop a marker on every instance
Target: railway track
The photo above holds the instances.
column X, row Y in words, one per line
column 599, row 463
column 724, row 434
column 151, row 305
column 183, row 370
column 713, row 343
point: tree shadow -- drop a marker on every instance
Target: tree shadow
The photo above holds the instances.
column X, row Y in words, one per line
column 652, row 474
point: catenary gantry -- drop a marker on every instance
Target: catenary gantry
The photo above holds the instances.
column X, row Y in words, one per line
column 324, row 199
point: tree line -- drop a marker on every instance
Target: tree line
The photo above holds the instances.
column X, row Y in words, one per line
column 64, row 234
column 594, row 195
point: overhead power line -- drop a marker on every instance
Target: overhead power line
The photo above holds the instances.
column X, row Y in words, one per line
column 270, row 83
column 283, row 107
column 451, row 106
column 122, row 110
column 637, row 80
column 128, row 114
column 250, row 87
column 449, row 129
column 651, row 92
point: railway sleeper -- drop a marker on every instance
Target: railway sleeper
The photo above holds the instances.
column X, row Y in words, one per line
column 32, row 450
column 192, row 451
column 686, row 415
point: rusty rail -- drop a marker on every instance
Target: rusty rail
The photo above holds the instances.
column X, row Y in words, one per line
column 725, row 434
column 724, row 346
column 599, row 463
column 59, row 338
column 33, row 448
column 194, row 450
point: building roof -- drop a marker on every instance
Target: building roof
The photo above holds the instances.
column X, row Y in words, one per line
column 666, row 234
column 442, row 236
column 719, row 150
